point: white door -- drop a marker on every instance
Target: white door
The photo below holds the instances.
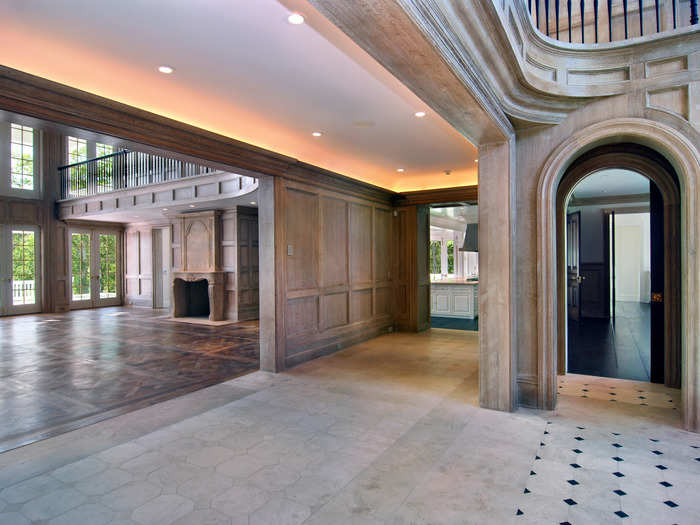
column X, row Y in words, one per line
column 95, row 268
column 20, row 264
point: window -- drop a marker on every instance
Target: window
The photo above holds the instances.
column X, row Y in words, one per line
column 435, row 257
column 22, row 157
column 77, row 150
column 103, row 149
column 104, row 167
column 450, row 257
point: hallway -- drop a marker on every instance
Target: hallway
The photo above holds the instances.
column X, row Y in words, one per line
column 385, row 432
column 59, row 372
column 621, row 349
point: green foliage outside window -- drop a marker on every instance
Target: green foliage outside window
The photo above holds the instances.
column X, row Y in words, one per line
column 108, row 266
column 435, row 257
column 80, row 265
column 450, row 257
column 23, row 267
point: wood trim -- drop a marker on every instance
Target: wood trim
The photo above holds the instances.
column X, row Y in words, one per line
column 40, row 98
column 457, row 194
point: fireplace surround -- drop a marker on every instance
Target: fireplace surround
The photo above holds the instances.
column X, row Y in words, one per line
column 199, row 269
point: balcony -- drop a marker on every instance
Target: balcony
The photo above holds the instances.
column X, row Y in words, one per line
column 114, row 187
column 594, row 21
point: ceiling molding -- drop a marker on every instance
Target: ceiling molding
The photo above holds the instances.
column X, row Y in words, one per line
column 460, row 194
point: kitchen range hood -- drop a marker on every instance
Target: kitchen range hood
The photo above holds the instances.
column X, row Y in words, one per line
column 471, row 239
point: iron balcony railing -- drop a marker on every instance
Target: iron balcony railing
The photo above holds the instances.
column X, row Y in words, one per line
column 595, row 21
column 123, row 170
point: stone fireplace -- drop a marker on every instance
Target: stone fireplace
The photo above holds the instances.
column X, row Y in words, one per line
column 197, row 288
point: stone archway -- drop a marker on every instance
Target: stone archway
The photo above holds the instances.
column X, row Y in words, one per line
column 684, row 157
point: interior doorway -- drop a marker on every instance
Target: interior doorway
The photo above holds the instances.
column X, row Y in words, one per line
column 454, row 266
column 608, row 254
column 620, row 267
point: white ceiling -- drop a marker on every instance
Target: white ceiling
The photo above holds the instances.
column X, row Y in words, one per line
column 243, row 71
column 607, row 183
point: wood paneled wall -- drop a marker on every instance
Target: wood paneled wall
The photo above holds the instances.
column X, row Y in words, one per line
column 139, row 265
column 412, row 284
column 248, row 274
column 335, row 258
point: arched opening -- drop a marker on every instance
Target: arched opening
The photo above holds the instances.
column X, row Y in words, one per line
column 618, row 168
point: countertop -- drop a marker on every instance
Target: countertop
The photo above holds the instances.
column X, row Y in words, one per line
column 456, row 281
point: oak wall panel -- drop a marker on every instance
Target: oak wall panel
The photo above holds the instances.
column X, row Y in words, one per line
column 361, row 305
column 333, row 310
column 360, row 243
column 301, row 217
column 302, row 315
column 334, row 242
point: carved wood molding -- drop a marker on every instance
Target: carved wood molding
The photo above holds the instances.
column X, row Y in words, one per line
column 438, row 196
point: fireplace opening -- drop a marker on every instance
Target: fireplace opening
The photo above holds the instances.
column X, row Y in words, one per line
column 191, row 298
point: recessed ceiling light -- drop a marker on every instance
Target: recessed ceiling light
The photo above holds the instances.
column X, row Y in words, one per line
column 476, row 160
column 400, row 170
column 420, row 114
column 253, row 203
column 295, row 19
column 317, row 133
column 191, row 205
column 166, row 69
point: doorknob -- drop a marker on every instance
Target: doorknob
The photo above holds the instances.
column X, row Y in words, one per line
column 580, row 278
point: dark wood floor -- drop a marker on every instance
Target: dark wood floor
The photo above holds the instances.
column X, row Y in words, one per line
column 598, row 347
column 62, row 371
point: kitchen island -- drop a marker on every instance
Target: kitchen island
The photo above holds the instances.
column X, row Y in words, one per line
column 455, row 298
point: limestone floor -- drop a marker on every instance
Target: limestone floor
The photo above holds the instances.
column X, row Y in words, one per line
column 62, row 371
column 385, row 432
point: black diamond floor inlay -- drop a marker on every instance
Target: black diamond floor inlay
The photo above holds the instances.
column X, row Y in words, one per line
column 618, row 459
column 665, row 484
column 578, row 438
column 569, row 501
column 572, row 482
column 671, row 504
column 519, row 512
column 577, row 451
column 661, row 467
column 526, row 491
column 620, row 492
column 621, row 514
column 657, row 452
column 575, row 465
column 617, row 445
column 618, row 474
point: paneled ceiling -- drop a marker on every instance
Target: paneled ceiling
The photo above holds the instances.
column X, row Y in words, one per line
column 242, row 70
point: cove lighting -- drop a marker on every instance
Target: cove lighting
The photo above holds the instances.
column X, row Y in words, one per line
column 166, row 69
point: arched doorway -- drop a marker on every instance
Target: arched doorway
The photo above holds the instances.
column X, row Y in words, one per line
column 664, row 309
column 678, row 145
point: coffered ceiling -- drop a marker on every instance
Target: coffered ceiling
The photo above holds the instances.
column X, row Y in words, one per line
column 242, row 70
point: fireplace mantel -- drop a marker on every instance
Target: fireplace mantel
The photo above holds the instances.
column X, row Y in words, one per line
column 215, row 281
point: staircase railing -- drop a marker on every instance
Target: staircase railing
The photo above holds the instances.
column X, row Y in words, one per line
column 595, row 21
column 123, row 170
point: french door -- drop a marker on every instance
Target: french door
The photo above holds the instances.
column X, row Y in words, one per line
column 95, row 268
column 20, row 291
